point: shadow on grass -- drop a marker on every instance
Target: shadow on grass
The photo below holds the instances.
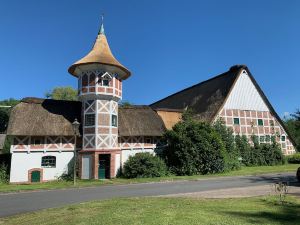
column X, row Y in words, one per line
column 287, row 213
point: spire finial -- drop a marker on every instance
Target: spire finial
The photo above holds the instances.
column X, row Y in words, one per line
column 102, row 24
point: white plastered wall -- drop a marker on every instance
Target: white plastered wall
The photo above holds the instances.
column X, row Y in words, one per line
column 245, row 96
column 22, row 162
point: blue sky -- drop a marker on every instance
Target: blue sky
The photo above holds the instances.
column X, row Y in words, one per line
column 168, row 45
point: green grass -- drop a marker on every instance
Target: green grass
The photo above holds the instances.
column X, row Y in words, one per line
column 173, row 211
column 86, row 183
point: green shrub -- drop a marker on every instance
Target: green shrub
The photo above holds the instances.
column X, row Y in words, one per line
column 271, row 154
column 144, row 165
column 194, row 148
column 244, row 148
column 4, row 177
column 232, row 159
column 295, row 158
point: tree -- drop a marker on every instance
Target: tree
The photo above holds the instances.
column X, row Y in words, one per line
column 125, row 103
column 293, row 125
column 194, row 148
column 63, row 93
column 5, row 111
column 226, row 133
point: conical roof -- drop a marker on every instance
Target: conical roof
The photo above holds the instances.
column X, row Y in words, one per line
column 101, row 54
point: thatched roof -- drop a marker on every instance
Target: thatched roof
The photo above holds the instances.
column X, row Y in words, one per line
column 139, row 121
column 204, row 98
column 2, row 140
column 41, row 117
column 101, row 54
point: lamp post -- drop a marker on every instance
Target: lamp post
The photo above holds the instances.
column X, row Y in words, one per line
column 75, row 126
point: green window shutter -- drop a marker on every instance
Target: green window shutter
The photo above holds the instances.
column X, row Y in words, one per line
column 260, row 122
column 236, row 121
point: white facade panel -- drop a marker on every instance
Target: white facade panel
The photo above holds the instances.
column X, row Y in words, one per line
column 117, row 163
column 86, row 170
column 128, row 152
column 245, row 96
column 22, row 162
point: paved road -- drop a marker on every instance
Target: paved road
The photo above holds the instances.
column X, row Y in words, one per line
column 15, row 203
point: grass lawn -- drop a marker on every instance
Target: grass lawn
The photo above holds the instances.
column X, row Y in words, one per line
column 85, row 183
column 262, row 210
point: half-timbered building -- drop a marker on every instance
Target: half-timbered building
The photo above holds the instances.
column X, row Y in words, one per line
column 43, row 139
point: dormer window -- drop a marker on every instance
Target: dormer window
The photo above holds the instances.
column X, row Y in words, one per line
column 105, row 82
column 104, row 79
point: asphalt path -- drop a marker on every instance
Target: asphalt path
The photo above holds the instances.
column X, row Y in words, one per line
column 16, row 203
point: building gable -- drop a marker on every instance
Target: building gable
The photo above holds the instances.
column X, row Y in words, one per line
column 245, row 96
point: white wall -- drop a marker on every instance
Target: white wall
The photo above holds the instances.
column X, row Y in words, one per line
column 245, row 96
column 22, row 162
column 117, row 163
column 128, row 152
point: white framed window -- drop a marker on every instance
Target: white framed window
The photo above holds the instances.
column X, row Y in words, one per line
column 48, row 161
column 89, row 120
column 114, row 120
column 104, row 79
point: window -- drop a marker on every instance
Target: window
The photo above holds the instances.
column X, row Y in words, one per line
column 89, row 120
column 271, row 123
column 236, row 121
column 105, row 82
column 114, row 121
column 273, row 138
column 262, row 139
column 48, row 161
column 268, row 138
column 282, row 138
column 104, row 79
column 260, row 122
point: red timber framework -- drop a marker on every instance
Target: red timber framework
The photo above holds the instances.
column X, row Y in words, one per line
column 100, row 78
column 248, row 112
column 42, row 143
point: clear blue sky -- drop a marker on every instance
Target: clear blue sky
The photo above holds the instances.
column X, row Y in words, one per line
column 168, row 45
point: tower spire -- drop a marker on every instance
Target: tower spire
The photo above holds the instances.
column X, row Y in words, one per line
column 101, row 31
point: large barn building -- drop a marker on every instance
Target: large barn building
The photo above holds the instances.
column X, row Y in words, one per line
column 43, row 138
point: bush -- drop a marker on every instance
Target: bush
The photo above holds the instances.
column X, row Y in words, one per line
column 271, row 154
column 244, row 148
column 295, row 158
column 144, row 165
column 194, row 148
column 232, row 160
column 4, row 177
column 298, row 174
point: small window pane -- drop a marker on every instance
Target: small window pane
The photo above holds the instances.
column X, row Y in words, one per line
column 282, row 138
column 114, row 120
column 260, row 122
column 268, row 138
column 48, row 161
column 262, row 139
column 236, row 121
column 105, row 82
column 89, row 120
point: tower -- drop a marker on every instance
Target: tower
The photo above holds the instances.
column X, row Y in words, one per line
column 100, row 78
